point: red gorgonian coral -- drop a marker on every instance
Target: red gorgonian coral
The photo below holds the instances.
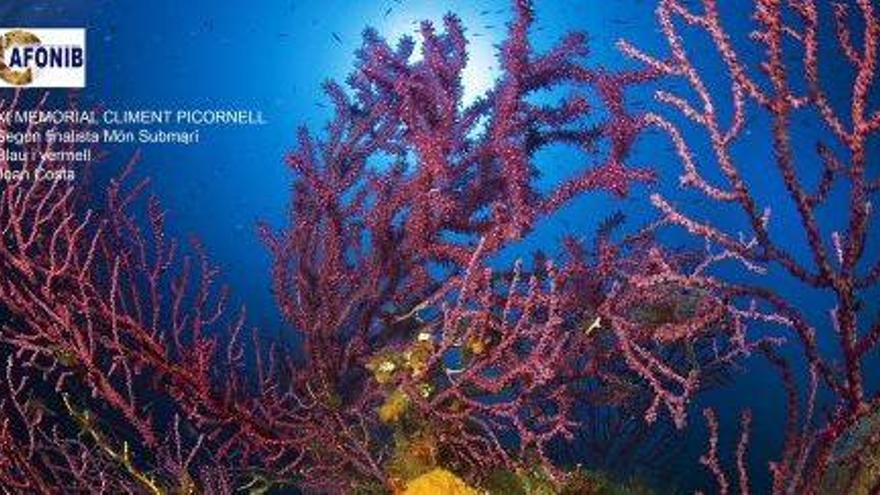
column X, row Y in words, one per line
column 793, row 81
column 386, row 215
column 125, row 371
column 106, row 321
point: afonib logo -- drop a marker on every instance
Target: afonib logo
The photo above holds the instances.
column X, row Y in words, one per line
column 42, row 58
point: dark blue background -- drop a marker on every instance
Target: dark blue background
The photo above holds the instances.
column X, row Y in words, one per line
column 273, row 56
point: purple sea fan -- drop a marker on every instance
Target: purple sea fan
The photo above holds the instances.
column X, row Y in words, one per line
column 490, row 378
column 794, row 81
column 101, row 317
column 387, row 208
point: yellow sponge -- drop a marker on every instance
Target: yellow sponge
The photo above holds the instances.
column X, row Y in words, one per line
column 438, row 482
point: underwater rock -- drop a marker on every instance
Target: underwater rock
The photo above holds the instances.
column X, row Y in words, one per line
column 855, row 464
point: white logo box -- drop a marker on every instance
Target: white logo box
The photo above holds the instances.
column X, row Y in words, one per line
column 51, row 77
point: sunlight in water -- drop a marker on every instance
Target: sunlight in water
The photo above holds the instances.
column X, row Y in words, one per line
column 482, row 67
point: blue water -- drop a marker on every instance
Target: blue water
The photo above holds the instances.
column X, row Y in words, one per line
column 274, row 56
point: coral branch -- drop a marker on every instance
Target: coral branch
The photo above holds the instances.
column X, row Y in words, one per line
column 778, row 97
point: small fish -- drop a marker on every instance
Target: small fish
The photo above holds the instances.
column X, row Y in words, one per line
column 337, row 38
column 595, row 325
column 387, row 12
